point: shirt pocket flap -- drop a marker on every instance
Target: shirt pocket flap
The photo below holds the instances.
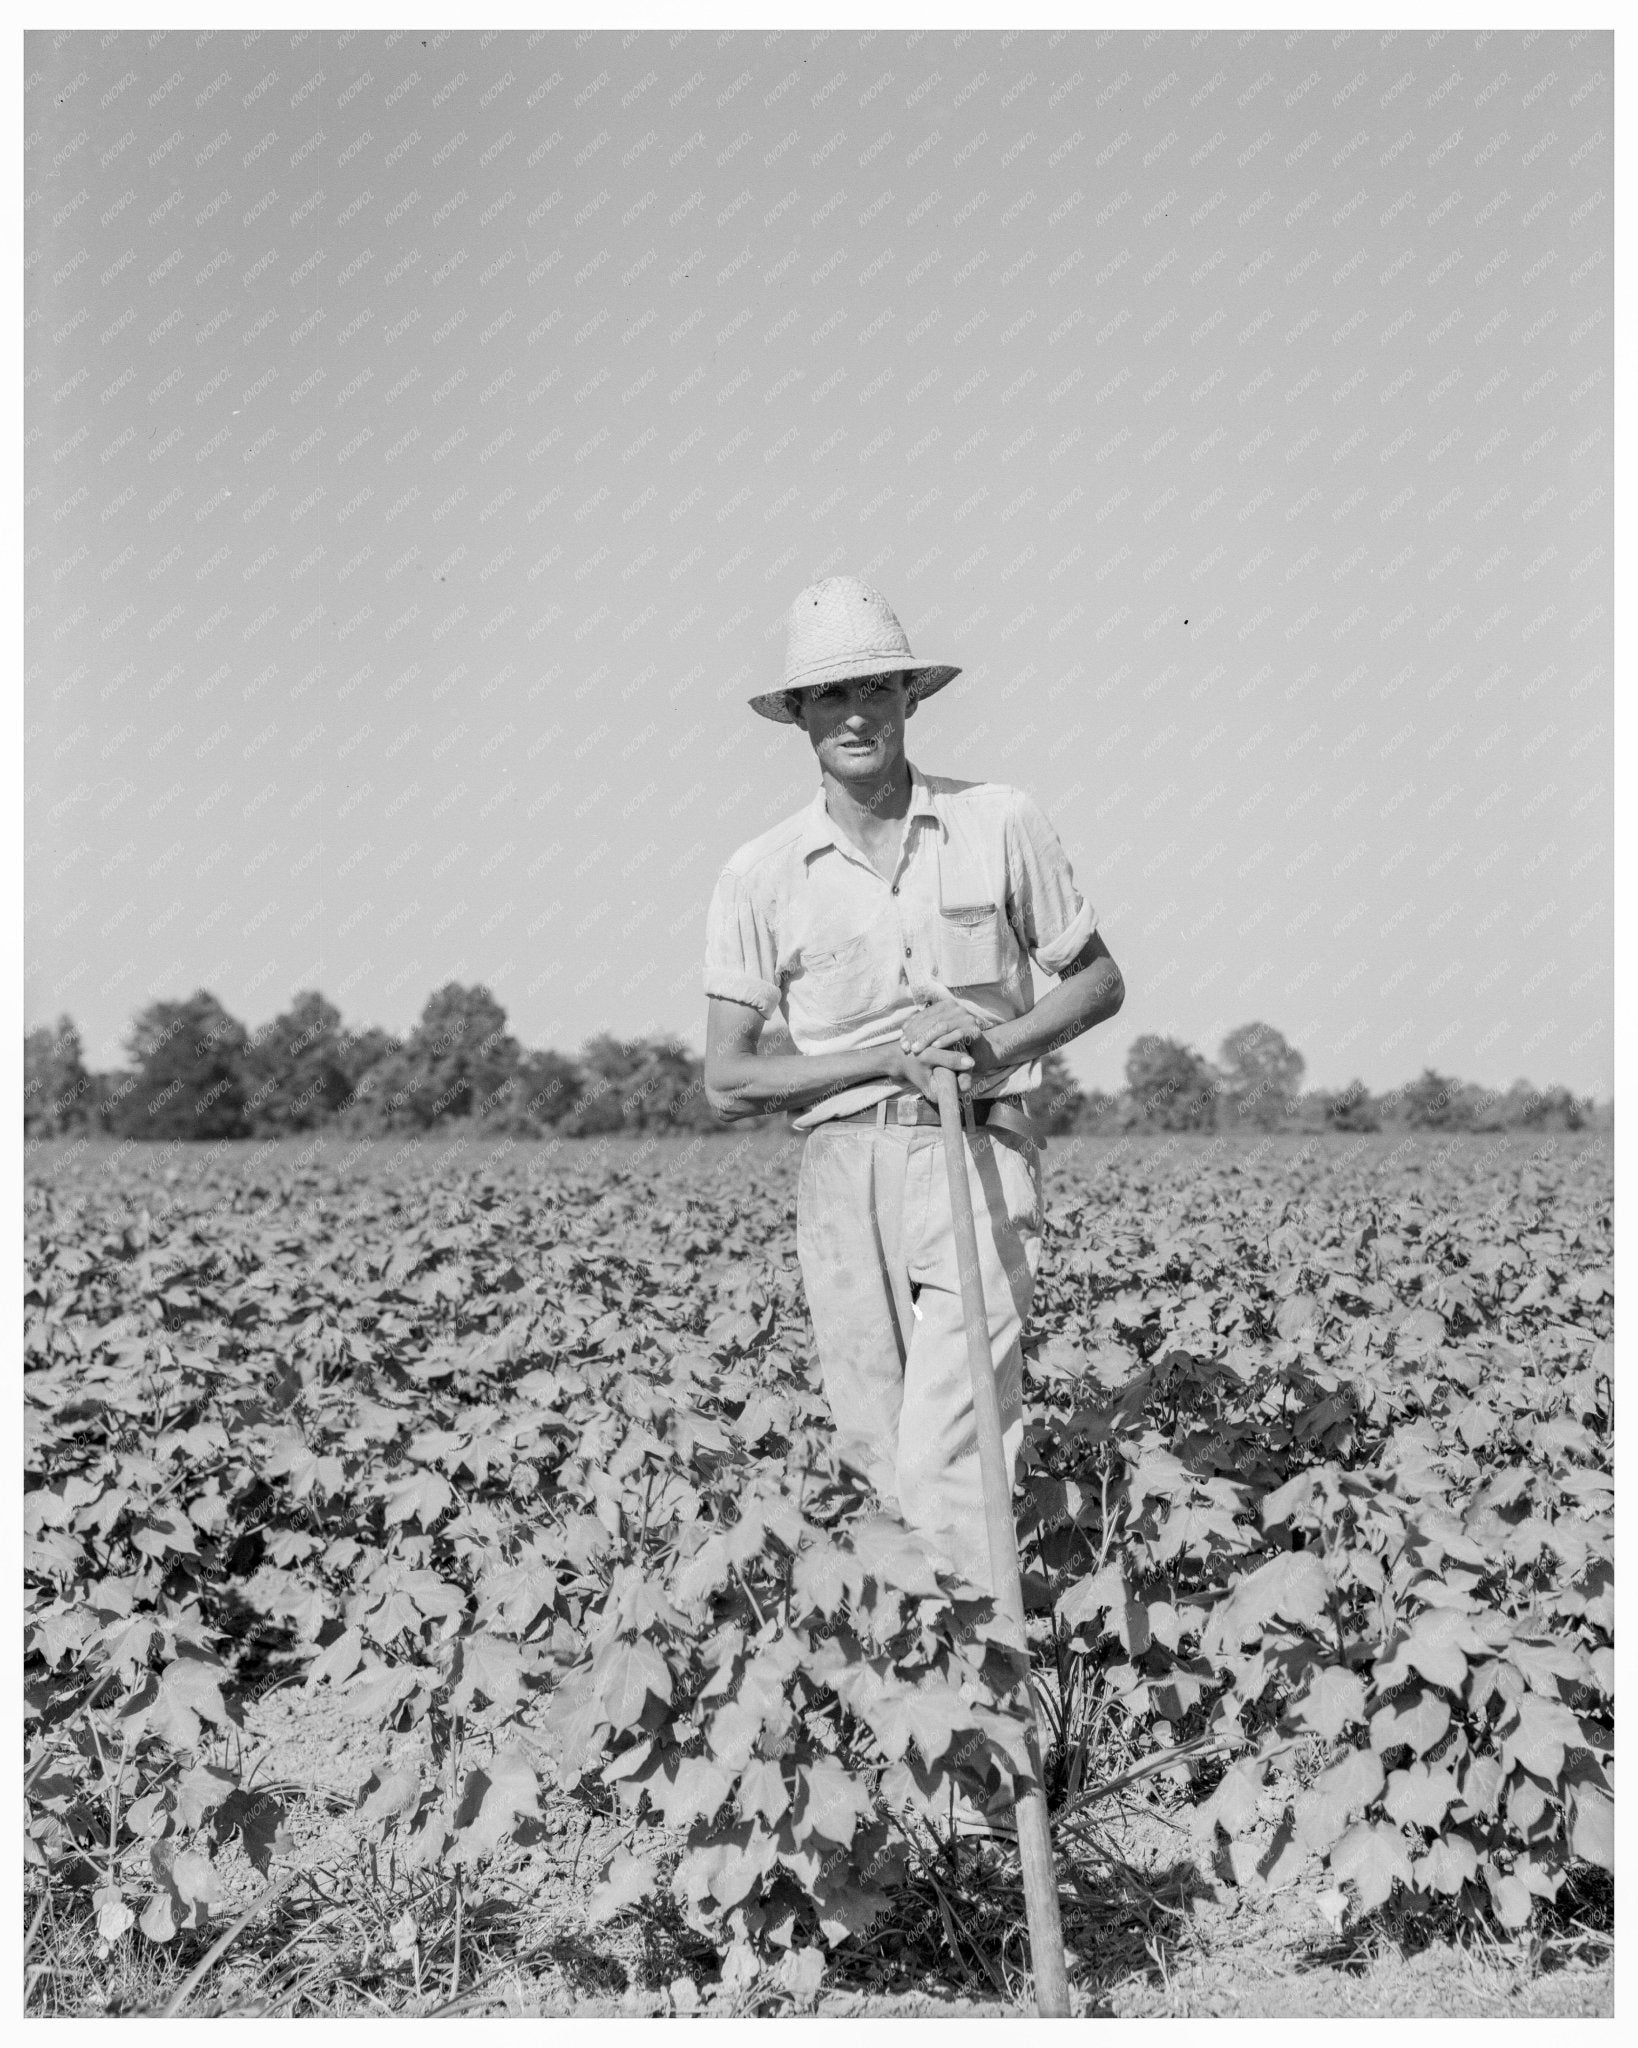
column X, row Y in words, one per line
column 969, row 944
column 835, row 959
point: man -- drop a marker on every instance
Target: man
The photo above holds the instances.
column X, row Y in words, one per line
column 892, row 923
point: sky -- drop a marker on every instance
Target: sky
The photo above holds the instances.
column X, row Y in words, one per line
column 426, row 436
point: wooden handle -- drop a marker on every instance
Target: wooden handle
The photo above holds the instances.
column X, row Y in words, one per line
column 1046, row 1934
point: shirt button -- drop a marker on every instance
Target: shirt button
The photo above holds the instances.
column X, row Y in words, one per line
column 907, row 952
column 895, row 888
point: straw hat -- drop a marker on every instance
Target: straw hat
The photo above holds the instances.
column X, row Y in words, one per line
column 842, row 628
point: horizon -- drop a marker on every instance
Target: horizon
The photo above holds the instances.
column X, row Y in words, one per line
column 775, row 1030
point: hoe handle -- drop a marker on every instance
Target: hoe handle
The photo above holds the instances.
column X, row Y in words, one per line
column 1046, row 1934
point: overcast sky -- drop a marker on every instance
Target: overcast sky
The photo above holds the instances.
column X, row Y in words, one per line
column 425, row 438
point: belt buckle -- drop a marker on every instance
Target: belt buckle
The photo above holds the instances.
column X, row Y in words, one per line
column 907, row 1109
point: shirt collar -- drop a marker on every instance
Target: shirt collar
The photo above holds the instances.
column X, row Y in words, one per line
column 819, row 830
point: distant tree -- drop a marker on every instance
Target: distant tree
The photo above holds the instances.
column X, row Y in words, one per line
column 1525, row 1107
column 611, row 1068
column 639, row 1084
column 1478, row 1108
column 457, row 1062
column 1056, row 1104
column 1351, row 1109
column 190, row 1072
column 58, row 1094
column 668, row 1083
column 296, row 1067
column 367, row 1059
column 1099, row 1111
column 1169, row 1085
column 1436, row 1102
column 540, row 1095
column 1261, row 1075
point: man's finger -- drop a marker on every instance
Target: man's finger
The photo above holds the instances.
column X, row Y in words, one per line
column 953, row 1036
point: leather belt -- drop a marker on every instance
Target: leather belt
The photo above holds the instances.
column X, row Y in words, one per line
column 1004, row 1114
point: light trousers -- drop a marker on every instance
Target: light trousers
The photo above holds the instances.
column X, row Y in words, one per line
column 877, row 1249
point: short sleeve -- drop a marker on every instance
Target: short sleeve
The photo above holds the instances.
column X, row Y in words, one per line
column 1054, row 919
column 740, row 961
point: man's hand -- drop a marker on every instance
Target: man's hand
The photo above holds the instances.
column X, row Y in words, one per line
column 946, row 1027
column 916, row 1072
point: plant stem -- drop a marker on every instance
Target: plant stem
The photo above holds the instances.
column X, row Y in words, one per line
column 214, row 1953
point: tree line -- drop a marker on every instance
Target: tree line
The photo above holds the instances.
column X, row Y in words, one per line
column 195, row 1071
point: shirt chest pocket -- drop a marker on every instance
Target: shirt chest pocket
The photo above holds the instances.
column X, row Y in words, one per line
column 840, row 978
column 970, row 943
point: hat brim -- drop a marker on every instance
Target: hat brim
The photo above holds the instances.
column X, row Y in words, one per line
column 925, row 680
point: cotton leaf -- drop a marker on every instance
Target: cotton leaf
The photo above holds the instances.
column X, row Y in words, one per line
column 1106, row 1592
column 820, row 1578
column 378, row 1691
column 489, row 1666
column 572, row 1723
column 259, row 1819
column 1345, row 1788
column 1284, row 1860
column 695, row 1792
column 1438, row 1646
column 1332, row 1907
column 196, row 1879
column 389, row 1794
column 1233, row 1805
column 1592, row 1826
column 763, row 1791
column 1418, row 1717
column 1242, row 1859
column 625, row 1674
column 114, row 1916
column 1420, row 1796
column 189, row 1693
column 200, row 1790
column 158, row 1921
column 729, row 1867
column 926, row 1718
column 1374, row 1858
column 517, row 1595
column 1422, row 1331
column 1298, row 1312
column 801, row 1972
column 423, row 1496
column 1538, row 1739
column 1292, row 1585
column 740, row 1968
column 835, row 1801
column 626, row 1879
column 338, row 1660
column 736, row 1729
column 707, row 1571
column 1510, row 1896
column 1334, row 1699
column 496, row 1796
column 1449, row 1862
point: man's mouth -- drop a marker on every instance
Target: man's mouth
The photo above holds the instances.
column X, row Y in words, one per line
column 859, row 746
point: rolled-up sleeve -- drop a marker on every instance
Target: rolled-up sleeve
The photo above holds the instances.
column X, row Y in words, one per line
column 1054, row 919
column 740, row 960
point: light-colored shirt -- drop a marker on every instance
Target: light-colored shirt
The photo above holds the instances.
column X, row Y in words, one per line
column 801, row 923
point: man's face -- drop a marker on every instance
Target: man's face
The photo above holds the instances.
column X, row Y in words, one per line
column 857, row 726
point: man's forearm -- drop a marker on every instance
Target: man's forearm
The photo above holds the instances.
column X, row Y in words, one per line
column 1063, row 1013
column 754, row 1084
